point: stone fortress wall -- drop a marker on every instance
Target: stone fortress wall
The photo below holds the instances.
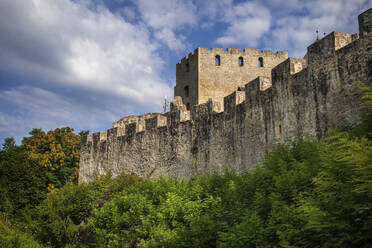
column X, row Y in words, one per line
column 301, row 96
column 216, row 82
column 200, row 77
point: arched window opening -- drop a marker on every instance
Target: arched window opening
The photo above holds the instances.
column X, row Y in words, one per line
column 186, row 91
column 187, row 67
column 241, row 61
column 260, row 62
column 280, row 129
column 218, row 60
column 188, row 106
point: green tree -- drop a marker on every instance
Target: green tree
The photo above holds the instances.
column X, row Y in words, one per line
column 64, row 213
column 17, row 239
column 9, row 143
column 58, row 217
column 84, row 132
column 23, row 183
column 364, row 128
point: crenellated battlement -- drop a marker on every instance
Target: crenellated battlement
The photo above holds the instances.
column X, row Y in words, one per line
column 133, row 124
column 155, row 122
column 140, row 121
column 188, row 57
column 289, row 67
column 327, row 46
column 240, row 51
column 99, row 137
column 225, row 116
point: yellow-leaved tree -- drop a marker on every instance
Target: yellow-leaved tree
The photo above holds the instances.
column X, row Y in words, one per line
column 58, row 151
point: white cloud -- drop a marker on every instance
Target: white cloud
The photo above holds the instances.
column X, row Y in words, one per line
column 68, row 43
column 129, row 13
column 166, row 17
column 173, row 41
column 295, row 30
column 287, row 25
column 247, row 23
column 214, row 11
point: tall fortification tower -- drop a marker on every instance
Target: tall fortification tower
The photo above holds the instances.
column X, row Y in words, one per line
column 215, row 73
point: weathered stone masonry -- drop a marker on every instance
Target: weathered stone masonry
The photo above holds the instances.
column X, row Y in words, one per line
column 307, row 96
column 199, row 78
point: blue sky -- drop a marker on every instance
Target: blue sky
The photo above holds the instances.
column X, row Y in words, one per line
column 85, row 64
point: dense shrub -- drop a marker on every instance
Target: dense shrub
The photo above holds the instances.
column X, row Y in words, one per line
column 13, row 238
column 23, row 184
column 65, row 212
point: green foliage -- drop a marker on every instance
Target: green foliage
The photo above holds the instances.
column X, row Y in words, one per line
column 364, row 92
column 11, row 237
column 83, row 132
column 249, row 233
column 17, row 239
column 63, row 214
column 339, row 211
column 59, row 216
column 9, row 143
column 305, row 194
column 158, row 213
column 28, row 172
column 23, row 184
column 122, row 182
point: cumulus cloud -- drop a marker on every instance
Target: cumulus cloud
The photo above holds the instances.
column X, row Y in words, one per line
column 287, row 25
column 295, row 28
column 69, row 43
column 75, row 63
column 214, row 11
column 247, row 23
column 166, row 17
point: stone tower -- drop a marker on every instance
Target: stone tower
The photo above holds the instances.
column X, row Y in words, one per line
column 214, row 73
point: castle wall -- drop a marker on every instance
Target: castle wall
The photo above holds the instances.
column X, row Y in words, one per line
column 218, row 81
column 187, row 76
column 299, row 97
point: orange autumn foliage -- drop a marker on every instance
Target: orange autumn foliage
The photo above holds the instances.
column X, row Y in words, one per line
column 58, row 151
